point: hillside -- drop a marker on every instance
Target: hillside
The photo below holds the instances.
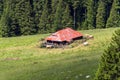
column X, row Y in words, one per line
column 22, row 59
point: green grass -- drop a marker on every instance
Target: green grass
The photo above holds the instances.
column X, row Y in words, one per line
column 22, row 59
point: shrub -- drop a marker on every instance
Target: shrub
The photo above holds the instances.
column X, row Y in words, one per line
column 109, row 68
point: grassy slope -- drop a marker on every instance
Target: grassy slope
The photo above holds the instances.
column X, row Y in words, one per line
column 21, row 59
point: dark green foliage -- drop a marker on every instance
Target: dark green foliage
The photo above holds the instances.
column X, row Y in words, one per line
column 100, row 18
column 114, row 19
column 1, row 7
column 90, row 14
column 1, row 11
column 54, row 4
column 4, row 28
column 110, row 63
column 37, row 11
column 67, row 18
column 45, row 24
column 75, row 5
column 13, row 24
column 26, row 17
column 58, row 16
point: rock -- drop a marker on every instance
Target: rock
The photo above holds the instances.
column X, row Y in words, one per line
column 88, row 76
column 85, row 43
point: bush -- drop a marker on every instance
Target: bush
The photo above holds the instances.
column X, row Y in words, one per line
column 109, row 68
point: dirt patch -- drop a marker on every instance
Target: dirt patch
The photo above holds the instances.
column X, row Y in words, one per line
column 11, row 59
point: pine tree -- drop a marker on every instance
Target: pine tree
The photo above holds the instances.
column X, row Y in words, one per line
column 5, row 29
column 23, row 13
column 1, row 7
column 1, row 11
column 90, row 14
column 23, row 17
column 14, row 28
column 114, row 19
column 75, row 4
column 83, row 15
column 37, row 10
column 58, row 16
column 66, row 18
column 54, row 4
column 110, row 63
column 101, row 14
column 45, row 25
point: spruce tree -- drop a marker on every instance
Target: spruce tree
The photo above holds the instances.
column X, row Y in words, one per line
column 58, row 16
column 5, row 29
column 114, row 19
column 90, row 14
column 54, row 4
column 13, row 21
column 37, row 10
column 66, row 18
column 44, row 25
column 109, row 68
column 75, row 4
column 1, row 11
column 81, row 15
column 101, row 14
column 24, row 16
column 1, row 7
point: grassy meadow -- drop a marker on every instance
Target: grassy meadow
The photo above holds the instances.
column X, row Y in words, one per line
column 22, row 59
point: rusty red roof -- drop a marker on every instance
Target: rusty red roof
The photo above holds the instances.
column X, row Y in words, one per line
column 67, row 34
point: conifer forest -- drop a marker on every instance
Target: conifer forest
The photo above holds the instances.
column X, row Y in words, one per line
column 27, row 17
